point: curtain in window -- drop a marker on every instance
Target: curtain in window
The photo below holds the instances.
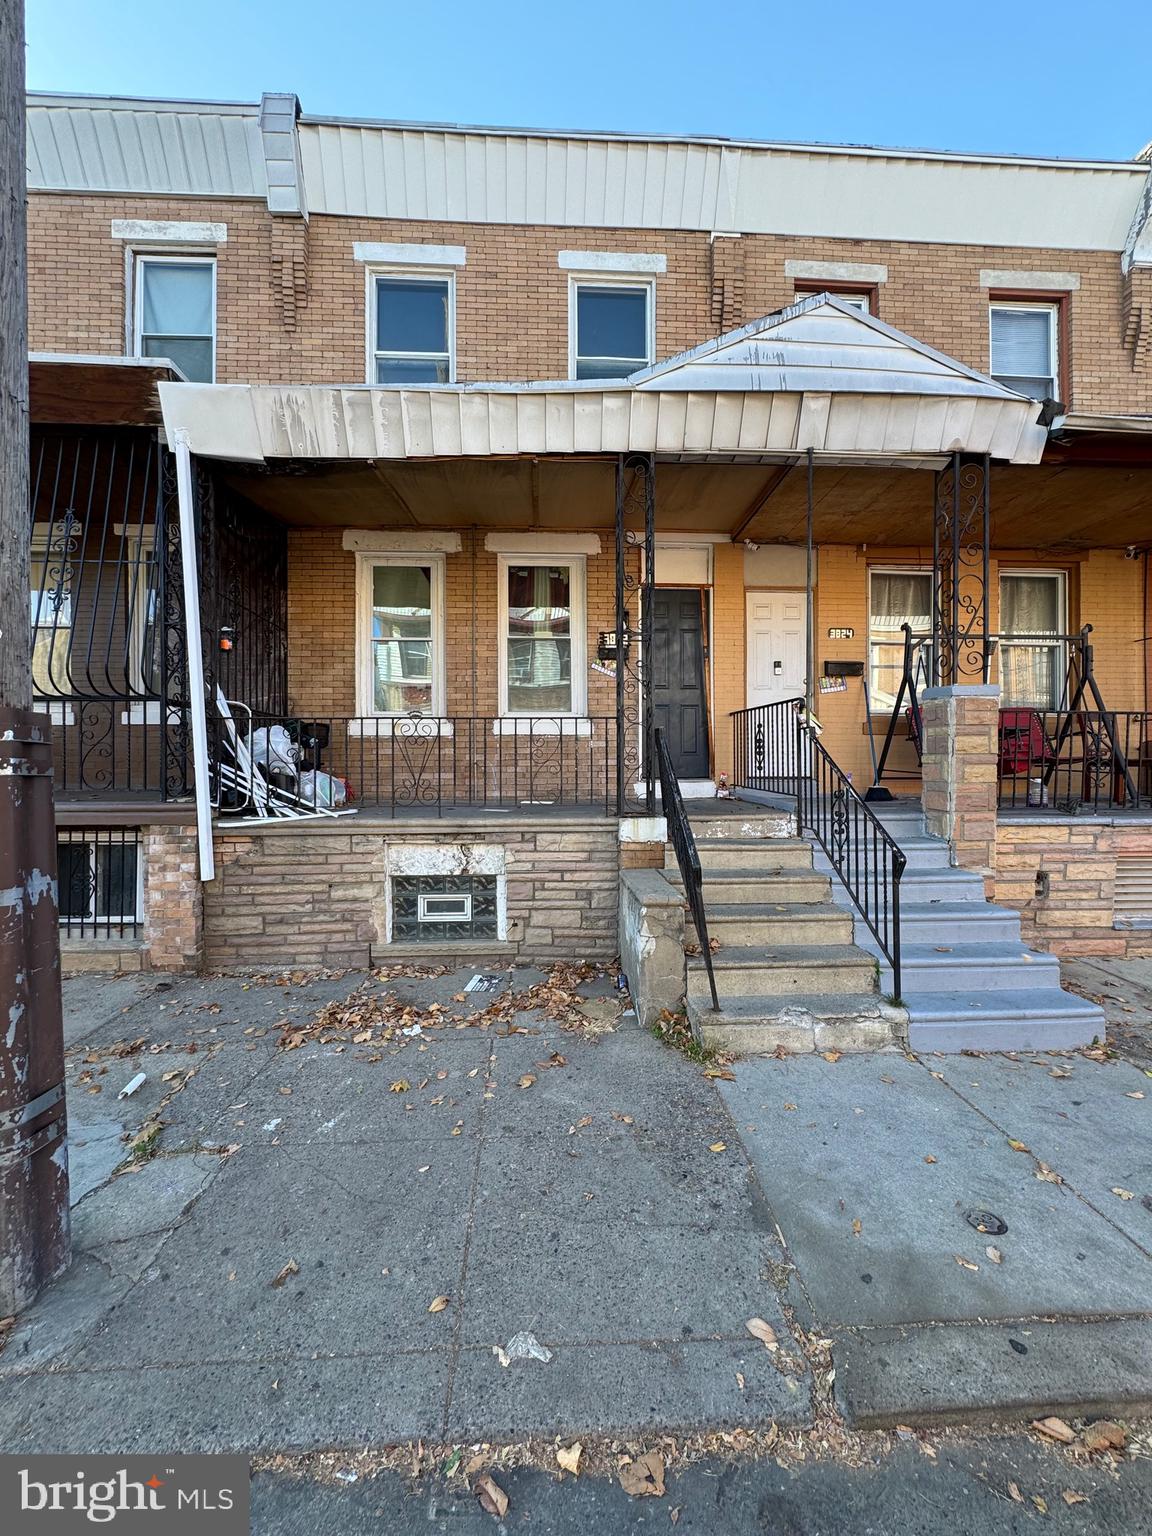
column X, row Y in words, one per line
column 897, row 598
column 539, row 639
column 1030, row 671
column 402, row 639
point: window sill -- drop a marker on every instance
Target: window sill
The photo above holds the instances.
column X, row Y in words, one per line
column 405, row 726
column 532, row 725
column 147, row 712
column 59, row 714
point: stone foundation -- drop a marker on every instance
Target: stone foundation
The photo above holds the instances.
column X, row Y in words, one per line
column 173, row 898
column 1071, row 908
column 959, row 771
column 316, row 893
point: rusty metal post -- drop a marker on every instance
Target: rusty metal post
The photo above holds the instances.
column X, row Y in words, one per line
column 34, row 1232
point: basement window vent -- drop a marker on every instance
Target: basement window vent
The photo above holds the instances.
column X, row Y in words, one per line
column 428, row 909
column 1132, row 904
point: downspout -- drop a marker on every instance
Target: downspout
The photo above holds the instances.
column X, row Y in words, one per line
column 810, row 627
column 186, row 505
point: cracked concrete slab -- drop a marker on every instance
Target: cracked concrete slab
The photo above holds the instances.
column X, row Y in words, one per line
column 147, row 1199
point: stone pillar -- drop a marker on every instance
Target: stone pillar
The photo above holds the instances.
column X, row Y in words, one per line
column 173, row 899
column 959, row 770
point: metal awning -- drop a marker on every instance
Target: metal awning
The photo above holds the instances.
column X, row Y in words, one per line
column 817, row 375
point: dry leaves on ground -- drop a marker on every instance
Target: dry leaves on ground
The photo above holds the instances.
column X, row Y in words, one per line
column 643, row 1477
column 492, row 1497
column 291, row 1268
column 965, row 1263
column 763, row 1331
column 1055, row 1429
column 438, row 1304
column 569, row 1458
column 718, row 1146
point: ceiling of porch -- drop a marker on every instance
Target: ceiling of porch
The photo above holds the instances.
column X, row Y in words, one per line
column 1047, row 506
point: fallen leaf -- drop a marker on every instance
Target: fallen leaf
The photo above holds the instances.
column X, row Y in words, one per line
column 763, row 1331
column 965, row 1263
column 1104, row 1435
column 721, row 1072
column 401, row 1085
column 1122, row 1194
column 1018, row 1146
column 1136, row 1095
column 492, row 1497
column 623, row 1119
column 569, row 1459
column 291, row 1268
column 526, row 1081
column 1074, row 1498
column 740, row 1380
column 1041, row 1504
column 362, row 1038
column 1014, row 1493
column 857, row 1227
column 832, row 1055
column 718, row 1146
column 929, row 1158
column 789, row 1106
column 438, row 1304
column 994, row 1254
column 1055, row 1429
column 643, row 1477
column 1048, row 1175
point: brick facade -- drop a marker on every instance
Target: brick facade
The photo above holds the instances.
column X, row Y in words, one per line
column 291, row 298
column 310, row 895
column 173, row 898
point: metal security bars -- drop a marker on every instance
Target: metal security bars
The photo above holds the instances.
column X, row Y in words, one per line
column 687, row 857
column 100, row 871
column 777, row 751
column 106, row 611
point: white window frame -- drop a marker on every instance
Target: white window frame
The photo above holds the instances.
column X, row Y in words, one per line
column 376, row 273
column 578, row 280
column 1060, row 668
column 433, row 723
column 889, row 570
column 92, row 917
column 1053, row 313
column 58, row 709
column 578, row 631
column 141, row 259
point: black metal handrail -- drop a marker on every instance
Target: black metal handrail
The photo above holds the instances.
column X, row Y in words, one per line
column 777, row 750
column 684, row 845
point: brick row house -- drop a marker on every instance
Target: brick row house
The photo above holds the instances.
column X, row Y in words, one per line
column 421, row 514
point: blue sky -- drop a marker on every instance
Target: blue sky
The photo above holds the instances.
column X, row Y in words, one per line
column 1026, row 78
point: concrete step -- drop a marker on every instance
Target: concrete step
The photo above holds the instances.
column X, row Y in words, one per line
column 1023, row 1019
column 753, row 853
column 796, row 887
column 757, row 824
column 922, row 885
column 778, row 970
column 752, row 1025
column 757, row 923
column 957, row 922
column 970, row 968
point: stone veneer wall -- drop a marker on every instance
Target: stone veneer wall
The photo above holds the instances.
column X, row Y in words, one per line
column 313, row 894
column 173, row 898
column 1079, row 858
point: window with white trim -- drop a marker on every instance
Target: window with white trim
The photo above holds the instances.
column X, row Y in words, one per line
column 175, row 313
column 895, row 598
column 855, row 300
column 412, row 325
column 50, row 593
column 1024, row 344
column 542, row 636
column 611, row 328
column 100, row 880
column 400, row 635
column 1033, row 615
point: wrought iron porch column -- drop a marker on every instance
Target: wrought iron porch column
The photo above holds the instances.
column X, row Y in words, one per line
column 635, row 529
column 960, row 525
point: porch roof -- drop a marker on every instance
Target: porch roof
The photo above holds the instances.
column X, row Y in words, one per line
column 817, row 375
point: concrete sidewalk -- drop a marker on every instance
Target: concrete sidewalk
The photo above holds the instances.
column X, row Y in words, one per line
column 592, row 1188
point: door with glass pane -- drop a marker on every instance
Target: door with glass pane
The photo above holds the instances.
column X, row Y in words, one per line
column 1033, row 620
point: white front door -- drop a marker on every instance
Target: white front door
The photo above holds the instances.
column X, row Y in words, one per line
column 776, row 634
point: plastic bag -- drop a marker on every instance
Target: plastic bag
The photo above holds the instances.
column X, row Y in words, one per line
column 273, row 747
column 321, row 789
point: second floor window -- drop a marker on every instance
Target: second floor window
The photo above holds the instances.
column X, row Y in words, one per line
column 176, row 313
column 412, row 326
column 1024, row 348
column 611, row 329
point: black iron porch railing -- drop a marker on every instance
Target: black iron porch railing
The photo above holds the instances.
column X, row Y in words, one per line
column 687, row 857
column 776, row 751
column 416, row 764
column 1069, row 762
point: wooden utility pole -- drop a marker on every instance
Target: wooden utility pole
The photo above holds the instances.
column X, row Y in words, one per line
column 34, row 1234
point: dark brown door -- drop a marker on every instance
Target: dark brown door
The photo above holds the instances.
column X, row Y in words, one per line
column 679, row 696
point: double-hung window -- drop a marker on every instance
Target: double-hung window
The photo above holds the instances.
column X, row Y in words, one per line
column 1024, row 347
column 412, row 326
column 895, row 598
column 175, row 313
column 611, row 329
column 1032, row 618
column 542, row 636
column 50, row 590
column 400, row 648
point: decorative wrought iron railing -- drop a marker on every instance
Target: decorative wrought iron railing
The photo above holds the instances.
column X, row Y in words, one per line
column 417, row 764
column 687, row 857
column 777, row 751
column 1069, row 762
